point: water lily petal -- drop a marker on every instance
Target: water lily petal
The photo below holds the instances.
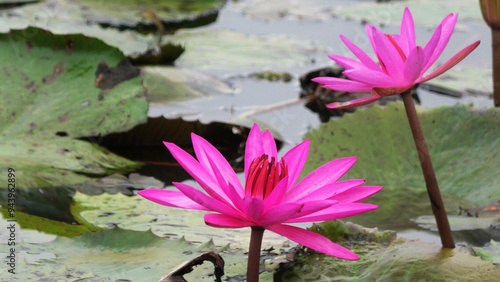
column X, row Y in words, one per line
column 447, row 26
column 206, row 201
column 353, row 103
column 254, row 147
column 295, row 160
column 329, row 191
column 313, row 207
column 360, row 54
column 171, row 198
column 451, row 62
column 253, row 207
column 269, row 144
column 197, row 171
column 370, row 77
column 388, row 55
column 279, row 214
column 335, row 212
column 225, row 221
column 413, row 66
column 369, row 33
column 407, row 32
column 213, row 160
column 430, row 47
column 276, row 196
column 340, row 84
column 235, row 198
column 313, row 241
column 347, row 63
column 324, row 175
column 357, row 194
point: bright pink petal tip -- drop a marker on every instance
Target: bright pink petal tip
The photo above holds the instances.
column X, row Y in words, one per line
column 170, row 198
column 313, row 241
column 452, row 61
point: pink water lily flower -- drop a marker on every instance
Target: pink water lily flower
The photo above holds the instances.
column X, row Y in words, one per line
column 402, row 63
column 270, row 197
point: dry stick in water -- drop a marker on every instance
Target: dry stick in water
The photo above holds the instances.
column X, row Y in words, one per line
column 428, row 171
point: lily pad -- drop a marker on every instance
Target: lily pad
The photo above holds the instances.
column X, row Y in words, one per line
column 287, row 9
column 123, row 14
column 389, row 12
column 463, row 144
column 384, row 259
column 40, row 121
column 47, row 226
column 231, row 50
column 471, row 81
column 169, row 84
column 138, row 214
column 64, row 17
column 458, row 223
column 112, row 255
column 172, row 13
column 490, row 252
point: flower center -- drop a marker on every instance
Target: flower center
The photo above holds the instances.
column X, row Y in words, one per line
column 264, row 175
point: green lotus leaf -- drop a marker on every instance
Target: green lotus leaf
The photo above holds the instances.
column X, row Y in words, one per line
column 49, row 97
column 110, row 255
column 382, row 257
column 490, row 252
column 167, row 84
column 123, row 14
column 231, row 50
column 458, row 223
column 138, row 214
column 431, row 13
column 463, row 144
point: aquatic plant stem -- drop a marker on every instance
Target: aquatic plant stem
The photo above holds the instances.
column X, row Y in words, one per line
column 495, row 36
column 428, row 171
column 253, row 265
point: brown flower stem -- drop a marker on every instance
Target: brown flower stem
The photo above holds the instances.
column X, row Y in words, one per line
column 253, row 265
column 495, row 46
column 428, row 171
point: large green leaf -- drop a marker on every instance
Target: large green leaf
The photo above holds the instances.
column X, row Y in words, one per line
column 168, row 84
column 123, row 14
column 384, row 258
column 464, row 145
column 426, row 12
column 139, row 214
column 128, row 13
column 490, row 252
column 48, row 226
column 110, row 255
column 48, row 97
column 231, row 50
